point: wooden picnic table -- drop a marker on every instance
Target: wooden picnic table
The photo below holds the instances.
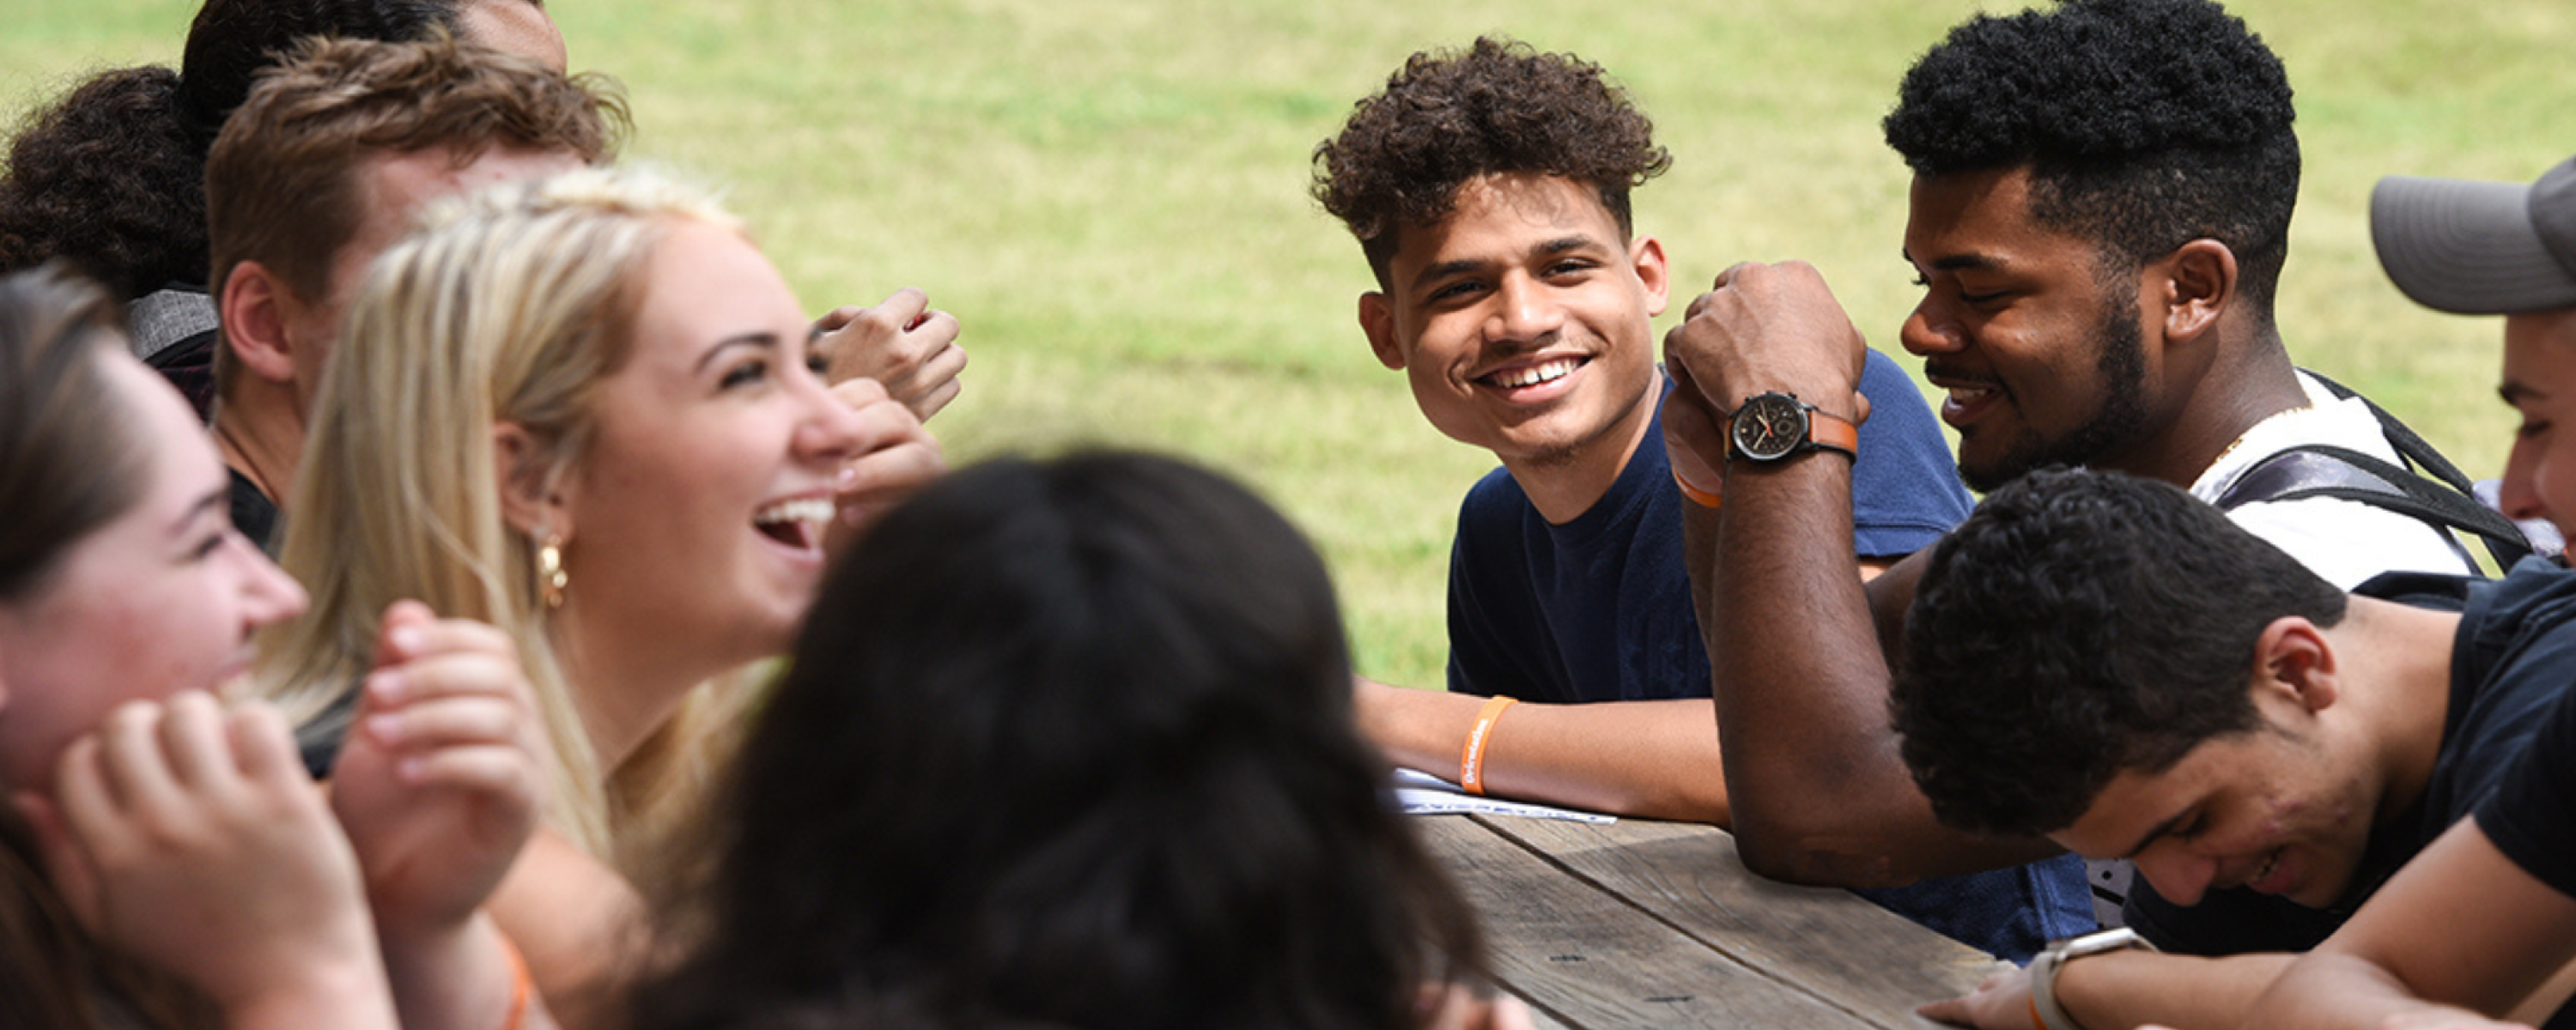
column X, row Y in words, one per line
column 1650, row 924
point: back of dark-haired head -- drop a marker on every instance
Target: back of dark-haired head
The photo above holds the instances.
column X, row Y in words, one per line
column 111, row 178
column 2145, row 124
column 68, row 465
column 1498, row 107
column 2080, row 625
column 1068, row 743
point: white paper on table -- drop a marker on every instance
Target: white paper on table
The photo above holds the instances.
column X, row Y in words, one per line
column 1420, row 793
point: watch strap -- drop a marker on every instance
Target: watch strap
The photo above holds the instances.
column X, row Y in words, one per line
column 2045, row 966
column 1832, row 432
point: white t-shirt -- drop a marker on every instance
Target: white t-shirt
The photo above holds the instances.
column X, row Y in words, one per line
column 2345, row 542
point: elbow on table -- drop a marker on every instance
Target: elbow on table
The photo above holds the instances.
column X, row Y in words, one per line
column 1806, row 853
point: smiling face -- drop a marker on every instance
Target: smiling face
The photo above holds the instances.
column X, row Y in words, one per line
column 2281, row 809
column 1523, row 322
column 164, row 598
column 2044, row 362
column 2540, row 383
column 696, row 514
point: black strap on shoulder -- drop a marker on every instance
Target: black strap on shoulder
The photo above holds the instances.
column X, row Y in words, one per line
column 2322, row 470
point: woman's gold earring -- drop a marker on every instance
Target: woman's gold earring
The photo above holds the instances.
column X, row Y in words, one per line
column 551, row 577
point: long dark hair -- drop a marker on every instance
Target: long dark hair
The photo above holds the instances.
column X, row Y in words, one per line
column 1068, row 743
column 112, row 177
column 68, row 465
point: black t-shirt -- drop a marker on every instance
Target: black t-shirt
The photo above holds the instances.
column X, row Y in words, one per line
column 254, row 513
column 2512, row 659
column 2531, row 817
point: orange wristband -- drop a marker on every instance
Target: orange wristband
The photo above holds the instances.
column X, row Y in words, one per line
column 2036, row 1023
column 1698, row 496
column 522, row 986
column 1471, row 762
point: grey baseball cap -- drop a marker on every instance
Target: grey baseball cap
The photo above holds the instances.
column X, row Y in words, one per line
column 2479, row 248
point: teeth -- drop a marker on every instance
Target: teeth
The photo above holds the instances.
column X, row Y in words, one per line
column 812, row 509
column 1966, row 394
column 1543, row 373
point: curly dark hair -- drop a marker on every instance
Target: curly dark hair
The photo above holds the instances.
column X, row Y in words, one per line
column 1497, row 107
column 111, row 178
column 1067, row 743
column 2079, row 625
column 2146, row 124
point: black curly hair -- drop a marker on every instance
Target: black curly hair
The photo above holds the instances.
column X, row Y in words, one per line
column 1497, row 107
column 2146, row 124
column 2079, row 625
column 111, row 178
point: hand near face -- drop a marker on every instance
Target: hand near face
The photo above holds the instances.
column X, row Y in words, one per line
column 191, row 838
column 1762, row 328
column 1457, row 1008
column 444, row 771
column 895, row 457
column 902, row 343
column 2002, row 1002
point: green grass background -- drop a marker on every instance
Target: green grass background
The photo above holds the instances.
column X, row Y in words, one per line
column 1111, row 196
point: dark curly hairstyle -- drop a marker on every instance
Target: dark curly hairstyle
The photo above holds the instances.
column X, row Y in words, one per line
column 111, row 178
column 1498, row 107
column 1067, row 743
column 2146, row 124
column 2079, row 625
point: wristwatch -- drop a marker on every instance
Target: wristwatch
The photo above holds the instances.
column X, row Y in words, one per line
column 2044, row 967
column 1775, row 426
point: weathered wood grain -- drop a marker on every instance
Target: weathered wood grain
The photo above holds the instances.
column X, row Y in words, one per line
column 1853, row 953
column 1589, row 959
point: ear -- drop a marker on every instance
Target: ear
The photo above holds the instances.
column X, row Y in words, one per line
column 2199, row 284
column 1646, row 255
column 254, row 313
column 532, row 498
column 1377, row 319
column 2293, row 659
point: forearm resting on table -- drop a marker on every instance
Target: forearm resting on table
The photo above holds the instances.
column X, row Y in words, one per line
column 2121, row 989
column 1817, row 791
column 1650, row 759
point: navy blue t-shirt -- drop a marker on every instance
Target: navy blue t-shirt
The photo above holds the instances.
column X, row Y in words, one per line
column 2512, row 659
column 1599, row 609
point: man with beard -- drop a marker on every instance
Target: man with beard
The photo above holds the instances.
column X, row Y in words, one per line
column 2099, row 214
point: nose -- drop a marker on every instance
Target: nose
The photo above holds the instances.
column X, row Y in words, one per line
column 1524, row 309
column 269, row 595
column 2178, row 874
column 834, row 427
column 2518, row 494
column 1929, row 330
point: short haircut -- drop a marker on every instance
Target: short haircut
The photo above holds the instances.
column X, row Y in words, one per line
column 1068, row 743
column 112, row 177
column 2081, row 625
column 279, row 188
column 2146, row 124
column 1497, row 108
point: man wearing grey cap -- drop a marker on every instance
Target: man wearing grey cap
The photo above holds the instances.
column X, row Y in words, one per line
column 2486, row 915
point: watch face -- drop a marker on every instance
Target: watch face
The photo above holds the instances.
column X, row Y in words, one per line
column 1769, row 426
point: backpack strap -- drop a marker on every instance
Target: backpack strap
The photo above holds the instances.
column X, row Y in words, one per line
column 2322, row 470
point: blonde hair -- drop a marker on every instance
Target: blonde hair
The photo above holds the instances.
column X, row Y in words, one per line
column 511, row 305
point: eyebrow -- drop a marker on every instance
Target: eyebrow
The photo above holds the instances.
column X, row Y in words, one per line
column 2159, row 830
column 762, row 338
column 1446, row 269
column 217, row 499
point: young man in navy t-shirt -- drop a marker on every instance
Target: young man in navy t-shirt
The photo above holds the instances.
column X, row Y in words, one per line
column 1489, row 191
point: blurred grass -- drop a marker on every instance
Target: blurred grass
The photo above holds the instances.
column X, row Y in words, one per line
column 1112, row 198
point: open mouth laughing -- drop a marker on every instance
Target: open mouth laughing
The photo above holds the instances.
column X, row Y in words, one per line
column 796, row 523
